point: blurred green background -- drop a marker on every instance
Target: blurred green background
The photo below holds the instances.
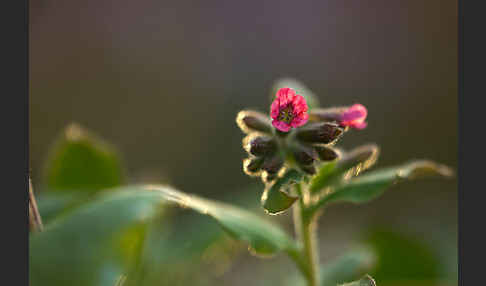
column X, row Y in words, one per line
column 163, row 81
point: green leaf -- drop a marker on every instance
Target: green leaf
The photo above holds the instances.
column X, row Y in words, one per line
column 99, row 241
column 274, row 199
column 53, row 204
column 263, row 237
column 365, row 281
column 320, row 179
column 190, row 255
column 81, row 162
column 311, row 99
column 371, row 185
column 94, row 244
column 197, row 253
column 347, row 267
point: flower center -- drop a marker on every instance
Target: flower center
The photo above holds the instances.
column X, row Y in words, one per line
column 286, row 115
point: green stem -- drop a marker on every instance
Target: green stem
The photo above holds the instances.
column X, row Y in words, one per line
column 306, row 234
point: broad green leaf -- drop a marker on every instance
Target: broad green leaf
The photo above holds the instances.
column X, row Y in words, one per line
column 274, row 199
column 365, row 281
column 371, row 185
column 186, row 249
column 263, row 237
column 98, row 242
column 53, row 204
column 197, row 253
column 81, row 162
column 94, row 244
column 347, row 267
column 349, row 164
column 311, row 99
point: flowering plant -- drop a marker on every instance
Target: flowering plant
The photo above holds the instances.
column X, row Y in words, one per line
column 293, row 150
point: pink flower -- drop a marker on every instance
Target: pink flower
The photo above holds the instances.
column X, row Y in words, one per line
column 354, row 117
column 288, row 110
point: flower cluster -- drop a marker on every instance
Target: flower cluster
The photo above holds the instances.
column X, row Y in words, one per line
column 293, row 136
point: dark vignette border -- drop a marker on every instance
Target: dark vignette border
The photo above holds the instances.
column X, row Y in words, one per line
column 471, row 188
column 14, row 27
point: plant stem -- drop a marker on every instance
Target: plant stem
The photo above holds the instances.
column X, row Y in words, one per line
column 306, row 232
column 35, row 220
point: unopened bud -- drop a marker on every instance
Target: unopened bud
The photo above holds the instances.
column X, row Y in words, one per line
column 321, row 132
column 309, row 169
column 273, row 164
column 349, row 116
column 260, row 145
column 326, row 153
column 250, row 121
column 327, row 114
column 251, row 166
column 304, row 155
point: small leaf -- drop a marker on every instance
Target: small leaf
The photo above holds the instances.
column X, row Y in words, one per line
column 319, row 181
column 367, row 187
column 299, row 87
column 81, row 162
column 347, row 267
column 365, row 281
column 349, row 164
column 274, row 199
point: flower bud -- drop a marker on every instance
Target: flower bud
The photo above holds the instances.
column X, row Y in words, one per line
column 353, row 116
column 251, row 166
column 250, row 121
column 326, row 153
column 327, row 114
column 304, row 155
column 260, row 145
column 320, row 132
column 309, row 169
column 273, row 164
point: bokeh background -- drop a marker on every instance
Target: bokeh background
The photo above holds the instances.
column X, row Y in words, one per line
column 163, row 81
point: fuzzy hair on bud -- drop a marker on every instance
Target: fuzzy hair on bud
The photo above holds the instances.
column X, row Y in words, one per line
column 359, row 159
column 252, row 166
column 254, row 121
